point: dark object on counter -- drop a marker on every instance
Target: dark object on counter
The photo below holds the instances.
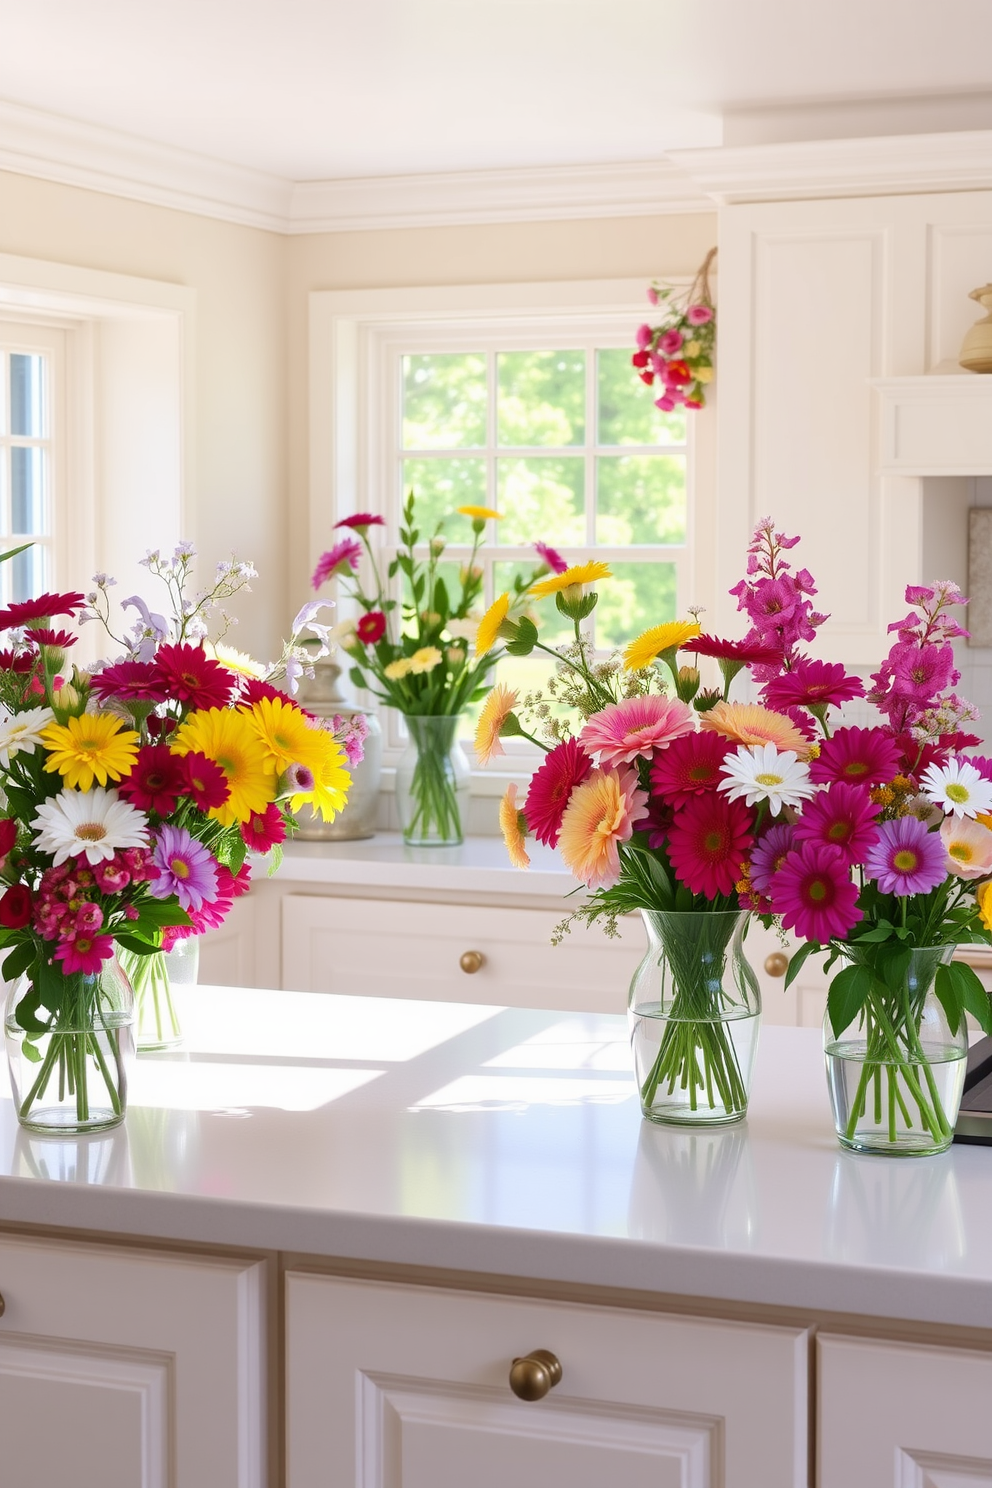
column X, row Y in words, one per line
column 975, row 1118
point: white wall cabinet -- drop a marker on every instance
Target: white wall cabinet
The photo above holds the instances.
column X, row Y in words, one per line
column 407, row 1387
column 130, row 1368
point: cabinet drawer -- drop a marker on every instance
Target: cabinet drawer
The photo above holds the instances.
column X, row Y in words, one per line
column 392, row 949
column 130, row 1369
column 407, row 1387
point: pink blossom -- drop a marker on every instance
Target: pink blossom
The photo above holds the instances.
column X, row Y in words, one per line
column 636, row 727
column 698, row 315
column 671, row 342
column 666, row 403
column 653, row 296
column 84, row 953
column 644, row 337
column 344, row 555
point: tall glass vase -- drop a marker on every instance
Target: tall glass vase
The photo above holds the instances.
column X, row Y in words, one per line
column 694, row 1010
column 896, row 1073
column 432, row 782
column 153, row 978
column 70, row 1042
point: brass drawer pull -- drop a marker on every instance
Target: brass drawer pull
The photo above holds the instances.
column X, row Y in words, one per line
column 471, row 962
column 777, row 964
column 534, row 1375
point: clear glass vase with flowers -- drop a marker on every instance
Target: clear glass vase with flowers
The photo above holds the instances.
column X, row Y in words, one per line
column 414, row 653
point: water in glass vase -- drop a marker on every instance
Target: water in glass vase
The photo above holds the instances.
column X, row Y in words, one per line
column 899, row 1109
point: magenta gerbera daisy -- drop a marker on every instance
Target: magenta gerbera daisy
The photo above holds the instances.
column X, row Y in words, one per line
column 858, row 756
column 193, row 677
column 708, row 840
column 344, row 555
column 747, row 653
column 689, row 767
column 204, row 780
column 31, row 611
column 264, row 829
column 814, row 685
column 85, row 953
column 770, row 853
column 138, row 680
column 156, row 780
column 842, row 816
column 564, row 767
column 360, row 521
column 636, row 727
column 906, row 858
column 551, row 558
column 813, row 893
column 185, row 868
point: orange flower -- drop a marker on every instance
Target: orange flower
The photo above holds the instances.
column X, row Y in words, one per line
column 509, row 820
column 495, row 710
column 600, row 814
column 747, row 723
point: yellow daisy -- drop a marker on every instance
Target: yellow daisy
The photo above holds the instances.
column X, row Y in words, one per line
column 642, row 652
column 488, row 632
column 230, row 738
column 748, row 723
column 509, row 821
column 235, row 661
column 331, row 780
column 95, row 746
column 495, row 710
column 582, row 573
column 426, row 659
column 480, row 513
column 285, row 733
column 984, row 896
column 398, row 669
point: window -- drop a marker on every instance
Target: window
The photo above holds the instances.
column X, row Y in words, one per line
column 30, row 378
column 521, row 398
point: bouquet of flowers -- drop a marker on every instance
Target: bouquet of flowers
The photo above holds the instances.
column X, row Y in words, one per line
column 678, row 352
column 415, row 654
column 133, row 793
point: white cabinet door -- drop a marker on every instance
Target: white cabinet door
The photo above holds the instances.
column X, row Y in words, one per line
column 894, row 1415
column 407, row 1387
column 129, row 1369
column 394, row 949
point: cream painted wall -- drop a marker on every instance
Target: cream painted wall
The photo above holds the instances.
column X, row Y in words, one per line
column 238, row 274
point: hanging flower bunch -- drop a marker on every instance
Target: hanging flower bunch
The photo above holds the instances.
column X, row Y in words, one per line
column 415, row 654
column 676, row 356
column 135, row 790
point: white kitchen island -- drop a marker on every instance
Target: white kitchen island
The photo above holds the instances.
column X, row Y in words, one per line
column 422, row 1192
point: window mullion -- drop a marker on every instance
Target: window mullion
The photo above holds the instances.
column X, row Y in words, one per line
column 492, row 492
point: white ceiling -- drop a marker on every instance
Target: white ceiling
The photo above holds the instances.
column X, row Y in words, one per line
column 323, row 89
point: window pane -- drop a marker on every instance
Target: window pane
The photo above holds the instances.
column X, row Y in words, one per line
column 440, row 487
column 627, row 414
column 444, row 401
column 530, row 674
column 542, row 500
column 638, row 596
column 27, row 495
column 27, row 395
column 640, row 499
column 25, row 576
column 553, row 627
column 541, row 397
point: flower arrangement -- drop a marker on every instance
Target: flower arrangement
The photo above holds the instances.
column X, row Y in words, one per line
column 677, row 354
column 415, row 654
column 133, row 793
column 867, row 842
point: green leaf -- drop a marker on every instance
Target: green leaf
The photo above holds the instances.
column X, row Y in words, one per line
column 356, row 677
column 31, row 1051
column 26, row 1013
column 882, row 931
column 973, row 995
column 846, row 997
column 20, row 958
column 797, row 962
column 948, row 995
column 13, row 552
column 159, row 912
column 138, row 947
column 894, row 965
column 442, row 603
column 275, row 860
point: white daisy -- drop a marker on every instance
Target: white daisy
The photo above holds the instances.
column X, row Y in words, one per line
column 760, row 772
column 21, row 731
column 958, row 788
column 96, row 823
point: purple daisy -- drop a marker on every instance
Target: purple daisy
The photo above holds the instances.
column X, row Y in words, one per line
column 906, row 858
column 185, row 868
column 841, row 816
column 770, row 853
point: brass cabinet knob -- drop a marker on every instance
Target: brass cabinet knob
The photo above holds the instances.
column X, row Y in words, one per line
column 471, row 961
column 777, row 964
column 534, row 1375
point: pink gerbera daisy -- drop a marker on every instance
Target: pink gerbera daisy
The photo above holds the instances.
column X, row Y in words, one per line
column 770, row 853
column 344, row 555
column 552, row 558
column 360, row 521
column 813, row 893
column 812, row 684
column 906, row 858
column 564, row 767
column 857, row 755
column 600, row 815
column 85, row 953
column 638, row 726
column 707, row 842
column 689, row 767
column 842, row 816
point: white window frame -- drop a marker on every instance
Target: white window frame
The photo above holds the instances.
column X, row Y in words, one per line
column 356, row 338
column 33, row 338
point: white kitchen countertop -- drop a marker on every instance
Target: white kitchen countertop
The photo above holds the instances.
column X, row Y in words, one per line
column 507, row 1141
column 480, row 865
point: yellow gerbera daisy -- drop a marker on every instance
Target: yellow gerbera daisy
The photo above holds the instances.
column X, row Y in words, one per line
column 495, row 710
column 286, row 735
column 398, row 669
column 642, row 652
column 748, row 723
column 509, row 821
column 480, row 513
column 230, row 738
column 331, row 780
column 235, row 661
column 582, row 573
column 488, row 632
column 426, row 659
column 95, row 746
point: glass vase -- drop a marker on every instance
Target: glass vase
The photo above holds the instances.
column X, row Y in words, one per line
column 896, row 1073
column 694, row 1010
column 432, row 782
column 153, row 978
column 70, row 1042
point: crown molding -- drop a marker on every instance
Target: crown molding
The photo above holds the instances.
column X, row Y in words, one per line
column 884, row 166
